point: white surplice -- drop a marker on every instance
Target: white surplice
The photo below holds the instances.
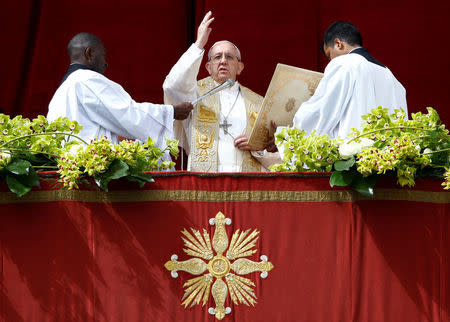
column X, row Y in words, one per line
column 181, row 85
column 233, row 110
column 103, row 107
column 351, row 87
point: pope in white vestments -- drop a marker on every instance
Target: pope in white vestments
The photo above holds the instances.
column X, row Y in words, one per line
column 353, row 84
column 215, row 136
column 102, row 106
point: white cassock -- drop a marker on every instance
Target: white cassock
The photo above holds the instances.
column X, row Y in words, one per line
column 351, row 87
column 103, row 107
column 181, row 85
column 233, row 110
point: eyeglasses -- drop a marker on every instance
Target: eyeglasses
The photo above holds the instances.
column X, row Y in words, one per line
column 218, row 57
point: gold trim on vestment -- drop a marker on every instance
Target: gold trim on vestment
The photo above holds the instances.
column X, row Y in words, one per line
column 206, row 115
column 205, row 129
column 224, row 196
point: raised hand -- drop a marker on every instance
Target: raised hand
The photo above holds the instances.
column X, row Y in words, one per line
column 204, row 30
column 182, row 110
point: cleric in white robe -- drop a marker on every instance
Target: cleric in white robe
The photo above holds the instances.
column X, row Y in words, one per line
column 353, row 84
column 102, row 106
column 215, row 136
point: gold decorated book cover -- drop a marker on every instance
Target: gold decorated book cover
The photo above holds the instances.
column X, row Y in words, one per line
column 289, row 88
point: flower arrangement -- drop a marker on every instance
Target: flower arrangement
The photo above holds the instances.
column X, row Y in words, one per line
column 385, row 144
column 27, row 147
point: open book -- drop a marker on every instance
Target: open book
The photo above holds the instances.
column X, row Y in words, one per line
column 289, row 88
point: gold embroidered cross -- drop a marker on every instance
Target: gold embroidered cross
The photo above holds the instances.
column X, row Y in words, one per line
column 220, row 266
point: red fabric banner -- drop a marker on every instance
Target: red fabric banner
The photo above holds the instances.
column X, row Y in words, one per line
column 89, row 255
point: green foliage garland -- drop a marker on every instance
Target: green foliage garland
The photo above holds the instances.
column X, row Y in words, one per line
column 27, row 147
column 385, row 144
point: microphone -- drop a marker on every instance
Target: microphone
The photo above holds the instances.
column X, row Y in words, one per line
column 228, row 83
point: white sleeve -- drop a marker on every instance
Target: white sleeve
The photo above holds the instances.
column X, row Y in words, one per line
column 180, row 84
column 109, row 105
column 323, row 111
column 267, row 158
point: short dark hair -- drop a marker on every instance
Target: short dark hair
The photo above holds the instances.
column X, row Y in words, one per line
column 344, row 31
column 80, row 42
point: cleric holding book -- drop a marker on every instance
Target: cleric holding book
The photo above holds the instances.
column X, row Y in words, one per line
column 102, row 106
column 353, row 84
column 215, row 136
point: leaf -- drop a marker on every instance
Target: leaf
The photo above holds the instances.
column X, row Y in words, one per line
column 138, row 176
column 433, row 135
column 430, row 172
column 134, row 179
column 16, row 186
column 364, row 185
column 19, row 166
column 35, row 159
column 342, row 165
column 26, row 155
column 139, row 181
column 341, row 178
column 116, row 170
column 31, row 179
column 143, row 176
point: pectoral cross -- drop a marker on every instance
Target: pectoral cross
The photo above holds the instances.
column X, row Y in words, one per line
column 225, row 125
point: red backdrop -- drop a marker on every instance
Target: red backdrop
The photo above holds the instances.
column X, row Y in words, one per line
column 145, row 38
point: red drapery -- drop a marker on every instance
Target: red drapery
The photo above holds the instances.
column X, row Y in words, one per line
column 95, row 256
column 144, row 39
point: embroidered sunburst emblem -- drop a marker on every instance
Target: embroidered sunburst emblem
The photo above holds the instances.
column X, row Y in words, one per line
column 221, row 274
